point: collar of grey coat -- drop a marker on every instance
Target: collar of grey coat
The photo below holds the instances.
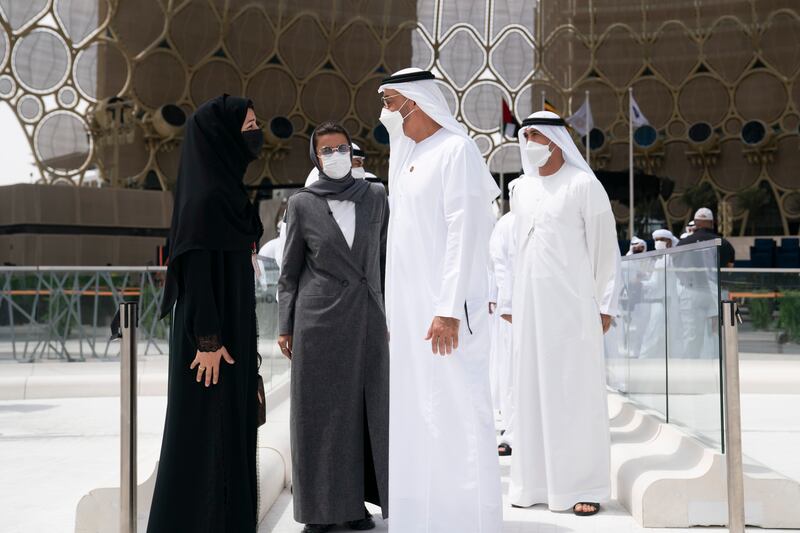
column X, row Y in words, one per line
column 359, row 235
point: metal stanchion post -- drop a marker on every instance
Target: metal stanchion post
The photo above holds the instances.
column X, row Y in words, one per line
column 733, row 420
column 129, row 322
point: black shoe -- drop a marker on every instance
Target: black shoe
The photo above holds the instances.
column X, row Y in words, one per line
column 317, row 528
column 363, row 524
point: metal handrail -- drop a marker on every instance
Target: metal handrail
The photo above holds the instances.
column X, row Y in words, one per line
column 761, row 270
column 733, row 418
column 712, row 243
column 82, row 269
column 129, row 321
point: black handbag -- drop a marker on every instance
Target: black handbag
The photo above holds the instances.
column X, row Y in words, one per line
column 261, row 397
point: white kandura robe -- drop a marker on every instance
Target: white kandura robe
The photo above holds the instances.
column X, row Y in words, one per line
column 501, row 248
column 566, row 272
column 443, row 467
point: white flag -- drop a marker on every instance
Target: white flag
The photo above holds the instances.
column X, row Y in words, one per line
column 637, row 117
column 582, row 120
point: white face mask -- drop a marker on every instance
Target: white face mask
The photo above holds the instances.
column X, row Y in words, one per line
column 359, row 173
column 336, row 165
column 537, row 154
column 661, row 245
column 393, row 120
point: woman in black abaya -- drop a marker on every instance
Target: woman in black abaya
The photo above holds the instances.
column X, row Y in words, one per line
column 207, row 472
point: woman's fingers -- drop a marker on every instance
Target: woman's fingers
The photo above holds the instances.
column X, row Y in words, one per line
column 227, row 356
column 208, row 375
column 215, row 374
column 199, row 374
column 194, row 363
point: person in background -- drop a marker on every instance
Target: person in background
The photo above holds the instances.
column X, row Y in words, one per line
column 637, row 246
column 704, row 223
column 501, row 372
column 664, row 239
column 688, row 230
column 273, row 249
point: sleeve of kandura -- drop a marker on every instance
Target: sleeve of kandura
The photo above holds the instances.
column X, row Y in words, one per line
column 497, row 268
column 466, row 210
column 506, row 259
column 601, row 242
column 201, row 305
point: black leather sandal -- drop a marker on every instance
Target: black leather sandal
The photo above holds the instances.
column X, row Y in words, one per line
column 504, row 450
column 586, row 513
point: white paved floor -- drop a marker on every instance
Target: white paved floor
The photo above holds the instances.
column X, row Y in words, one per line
column 53, row 451
column 613, row 519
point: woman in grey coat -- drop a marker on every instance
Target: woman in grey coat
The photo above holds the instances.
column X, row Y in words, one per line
column 333, row 328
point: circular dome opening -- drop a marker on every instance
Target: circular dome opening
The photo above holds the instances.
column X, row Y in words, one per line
column 281, row 127
column 645, row 136
column 700, row 132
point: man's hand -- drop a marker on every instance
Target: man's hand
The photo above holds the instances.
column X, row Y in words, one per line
column 208, row 363
column 507, row 318
column 606, row 320
column 492, row 307
column 443, row 335
column 285, row 344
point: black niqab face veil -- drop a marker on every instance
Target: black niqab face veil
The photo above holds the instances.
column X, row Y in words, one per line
column 211, row 209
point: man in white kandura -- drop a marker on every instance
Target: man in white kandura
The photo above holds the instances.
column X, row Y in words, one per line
column 501, row 249
column 443, row 468
column 566, row 286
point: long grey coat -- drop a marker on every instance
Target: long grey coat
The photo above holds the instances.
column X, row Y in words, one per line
column 331, row 301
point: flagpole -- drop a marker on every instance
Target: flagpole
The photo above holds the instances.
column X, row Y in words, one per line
column 588, row 132
column 502, row 194
column 543, row 100
column 630, row 162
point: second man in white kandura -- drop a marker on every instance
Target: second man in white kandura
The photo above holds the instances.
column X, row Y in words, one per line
column 566, row 285
column 444, row 472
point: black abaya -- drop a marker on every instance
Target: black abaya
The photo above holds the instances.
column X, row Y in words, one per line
column 207, row 473
column 206, row 481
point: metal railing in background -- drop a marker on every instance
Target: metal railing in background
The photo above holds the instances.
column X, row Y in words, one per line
column 58, row 314
column 769, row 301
column 63, row 313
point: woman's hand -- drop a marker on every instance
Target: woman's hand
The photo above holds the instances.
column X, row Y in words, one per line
column 285, row 344
column 208, row 363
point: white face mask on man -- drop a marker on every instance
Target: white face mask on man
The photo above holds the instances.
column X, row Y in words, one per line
column 537, row 154
column 393, row 120
column 336, row 165
column 661, row 245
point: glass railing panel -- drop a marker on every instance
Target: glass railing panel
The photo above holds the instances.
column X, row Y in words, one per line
column 769, row 364
column 616, row 342
column 694, row 369
column 647, row 381
column 274, row 365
